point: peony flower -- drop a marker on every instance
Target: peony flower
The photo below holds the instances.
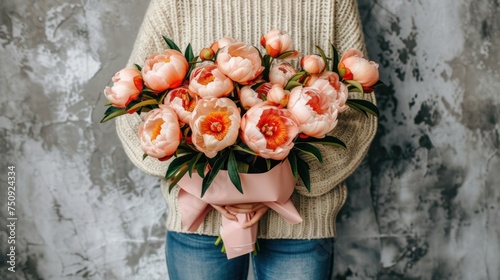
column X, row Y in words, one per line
column 221, row 43
column 280, row 73
column 269, row 131
column 182, row 101
column 313, row 64
column 240, row 62
column 160, row 134
column 127, row 85
column 314, row 111
column 253, row 95
column 215, row 124
column 338, row 97
column 352, row 66
column 164, row 71
column 208, row 81
column 276, row 43
column 277, row 96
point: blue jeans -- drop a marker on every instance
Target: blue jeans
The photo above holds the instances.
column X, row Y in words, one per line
column 192, row 257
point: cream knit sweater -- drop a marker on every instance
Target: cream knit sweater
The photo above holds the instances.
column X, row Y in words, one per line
column 309, row 23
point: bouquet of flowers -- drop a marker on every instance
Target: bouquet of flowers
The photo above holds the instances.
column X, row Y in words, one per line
column 237, row 110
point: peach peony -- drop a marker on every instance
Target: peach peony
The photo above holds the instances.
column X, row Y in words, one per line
column 163, row 71
column 329, row 83
column 277, row 96
column 280, row 73
column 215, row 124
column 127, row 85
column 240, row 62
column 182, row 101
column 208, row 81
column 159, row 133
column 352, row 66
column 253, row 95
column 221, row 43
column 276, row 43
column 313, row 64
column 269, row 131
column 314, row 111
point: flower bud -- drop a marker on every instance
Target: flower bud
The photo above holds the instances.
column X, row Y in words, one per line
column 207, row 54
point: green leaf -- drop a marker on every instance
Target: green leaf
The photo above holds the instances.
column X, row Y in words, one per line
column 108, row 103
column 210, row 176
column 113, row 114
column 322, row 53
column 364, row 106
column 201, row 167
column 292, row 158
column 356, row 84
column 232, row 170
column 188, row 53
column 309, row 150
column 241, row 149
column 192, row 163
column 285, row 54
column 336, row 59
column 171, row 44
column 142, row 104
column 144, row 156
column 327, row 140
column 303, row 170
column 268, row 164
column 177, row 164
column 138, row 67
column 291, row 84
column 177, row 178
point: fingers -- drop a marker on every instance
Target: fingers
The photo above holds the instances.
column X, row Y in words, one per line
column 224, row 212
column 246, row 208
column 258, row 214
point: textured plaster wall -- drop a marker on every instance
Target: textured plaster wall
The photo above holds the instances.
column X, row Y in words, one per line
column 423, row 205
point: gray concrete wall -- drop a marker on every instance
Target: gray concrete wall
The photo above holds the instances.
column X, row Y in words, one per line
column 423, row 205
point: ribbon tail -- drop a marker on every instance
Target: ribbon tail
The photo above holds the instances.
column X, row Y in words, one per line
column 286, row 210
column 193, row 210
column 237, row 240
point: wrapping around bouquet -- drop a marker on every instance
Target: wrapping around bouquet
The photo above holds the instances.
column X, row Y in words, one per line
column 272, row 188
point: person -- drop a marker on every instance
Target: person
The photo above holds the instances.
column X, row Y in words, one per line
column 301, row 251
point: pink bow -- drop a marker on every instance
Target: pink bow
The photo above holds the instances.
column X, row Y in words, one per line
column 272, row 188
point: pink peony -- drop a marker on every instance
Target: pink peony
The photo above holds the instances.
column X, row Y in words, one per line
column 240, row 62
column 277, row 96
column 215, row 124
column 280, row 73
column 160, row 134
column 182, row 101
column 353, row 66
column 253, row 95
column 276, row 43
column 329, row 83
column 221, row 43
column 164, row 71
column 269, row 131
column 313, row 64
column 127, row 85
column 208, row 81
column 314, row 111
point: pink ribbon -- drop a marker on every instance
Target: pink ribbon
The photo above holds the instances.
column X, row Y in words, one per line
column 272, row 188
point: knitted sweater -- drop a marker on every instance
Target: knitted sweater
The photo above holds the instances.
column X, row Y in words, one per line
column 309, row 23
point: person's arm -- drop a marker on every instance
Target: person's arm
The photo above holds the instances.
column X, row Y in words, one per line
column 354, row 128
column 149, row 40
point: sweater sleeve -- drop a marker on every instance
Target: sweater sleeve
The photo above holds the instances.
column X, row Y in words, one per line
column 149, row 40
column 354, row 128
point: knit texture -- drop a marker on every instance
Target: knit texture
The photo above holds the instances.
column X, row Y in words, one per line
column 309, row 23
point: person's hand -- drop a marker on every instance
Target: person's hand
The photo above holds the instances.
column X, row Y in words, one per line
column 258, row 210
column 224, row 212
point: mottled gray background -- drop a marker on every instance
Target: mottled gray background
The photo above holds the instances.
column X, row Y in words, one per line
column 424, row 205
